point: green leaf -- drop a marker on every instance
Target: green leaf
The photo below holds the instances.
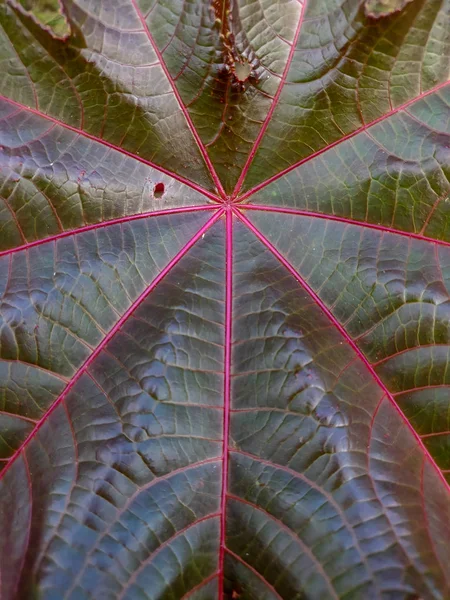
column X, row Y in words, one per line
column 50, row 15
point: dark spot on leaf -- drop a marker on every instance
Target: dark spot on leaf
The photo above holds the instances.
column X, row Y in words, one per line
column 158, row 190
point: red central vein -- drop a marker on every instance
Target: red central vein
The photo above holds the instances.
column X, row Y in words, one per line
column 227, row 395
column 183, row 108
column 94, row 226
column 394, row 111
column 111, row 334
column 268, row 118
column 99, row 140
column 346, row 336
column 344, row 220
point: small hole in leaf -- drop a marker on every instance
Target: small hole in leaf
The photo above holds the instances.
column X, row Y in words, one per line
column 242, row 70
column 158, row 190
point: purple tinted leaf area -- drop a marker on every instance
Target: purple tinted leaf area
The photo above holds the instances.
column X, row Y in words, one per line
column 224, row 300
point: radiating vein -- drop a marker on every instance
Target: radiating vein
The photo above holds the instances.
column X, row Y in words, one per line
column 349, row 136
column 347, row 337
column 100, row 140
column 111, row 334
column 227, row 394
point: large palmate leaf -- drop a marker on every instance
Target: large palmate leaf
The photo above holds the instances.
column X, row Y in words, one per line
column 225, row 299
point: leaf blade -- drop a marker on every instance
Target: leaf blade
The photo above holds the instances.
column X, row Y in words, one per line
column 208, row 393
column 121, row 112
column 327, row 108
